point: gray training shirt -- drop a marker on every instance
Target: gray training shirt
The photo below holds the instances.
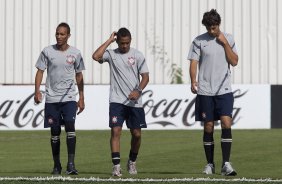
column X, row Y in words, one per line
column 214, row 77
column 61, row 68
column 125, row 70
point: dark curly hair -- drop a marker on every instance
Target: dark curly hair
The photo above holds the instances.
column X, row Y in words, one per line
column 211, row 18
column 123, row 32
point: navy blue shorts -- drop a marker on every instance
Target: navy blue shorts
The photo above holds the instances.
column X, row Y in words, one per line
column 134, row 116
column 57, row 114
column 211, row 108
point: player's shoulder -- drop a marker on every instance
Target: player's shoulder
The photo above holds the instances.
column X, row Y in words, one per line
column 228, row 35
column 49, row 48
column 136, row 52
column 74, row 49
column 201, row 38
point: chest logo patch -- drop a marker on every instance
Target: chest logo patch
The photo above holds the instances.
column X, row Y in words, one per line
column 131, row 60
column 70, row 59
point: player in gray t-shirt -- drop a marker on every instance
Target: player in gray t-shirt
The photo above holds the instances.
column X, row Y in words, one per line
column 64, row 66
column 126, row 66
column 211, row 55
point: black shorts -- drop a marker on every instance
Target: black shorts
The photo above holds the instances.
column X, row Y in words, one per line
column 134, row 116
column 57, row 114
column 211, row 108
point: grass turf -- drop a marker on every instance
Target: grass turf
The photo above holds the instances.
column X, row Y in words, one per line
column 164, row 154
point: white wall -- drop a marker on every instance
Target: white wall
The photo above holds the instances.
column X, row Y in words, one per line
column 161, row 29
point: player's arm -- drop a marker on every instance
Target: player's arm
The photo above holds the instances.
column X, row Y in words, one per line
column 193, row 75
column 80, row 86
column 98, row 54
column 231, row 56
column 135, row 94
column 38, row 80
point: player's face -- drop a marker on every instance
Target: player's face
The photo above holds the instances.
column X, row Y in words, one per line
column 62, row 36
column 124, row 44
column 213, row 30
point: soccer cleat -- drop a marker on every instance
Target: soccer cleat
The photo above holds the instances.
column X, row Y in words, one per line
column 57, row 170
column 71, row 169
column 116, row 170
column 209, row 169
column 227, row 170
column 131, row 167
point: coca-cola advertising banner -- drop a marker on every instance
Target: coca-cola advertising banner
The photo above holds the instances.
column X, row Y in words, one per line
column 166, row 107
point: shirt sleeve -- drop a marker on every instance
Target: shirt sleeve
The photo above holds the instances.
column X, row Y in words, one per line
column 79, row 64
column 141, row 64
column 195, row 51
column 106, row 57
column 42, row 61
column 231, row 42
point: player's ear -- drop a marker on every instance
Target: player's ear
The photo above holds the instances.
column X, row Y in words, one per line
column 69, row 35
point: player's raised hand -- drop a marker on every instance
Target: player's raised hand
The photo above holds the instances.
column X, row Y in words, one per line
column 113, row 36
column 221, row 38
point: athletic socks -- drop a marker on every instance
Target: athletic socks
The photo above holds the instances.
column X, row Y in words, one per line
column 132, row 156
column 209, row 146
column 55, row 145
column 71, row 142
column 115, row 158
column 226, row 142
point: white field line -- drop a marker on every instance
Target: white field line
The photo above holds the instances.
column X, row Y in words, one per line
column 61, row 178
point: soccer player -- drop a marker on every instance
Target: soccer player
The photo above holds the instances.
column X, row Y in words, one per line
column 211, row 55
column 64, row 66
column 126, row 66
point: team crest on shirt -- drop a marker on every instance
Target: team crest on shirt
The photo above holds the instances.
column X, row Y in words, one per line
column 131, row 60
column 70, row 59
column 204, row 115
column 50, row 120
column 114, row 119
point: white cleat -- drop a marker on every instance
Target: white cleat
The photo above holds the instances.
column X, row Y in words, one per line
column 116, row 171
column 131, row 167
column 227, row 170
column 209, row 169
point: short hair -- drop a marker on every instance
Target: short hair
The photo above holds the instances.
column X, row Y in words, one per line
column 211, row 18
column 63, row 24
column 123, row 32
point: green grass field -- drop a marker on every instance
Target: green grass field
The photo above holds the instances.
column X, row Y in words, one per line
column 169, row 154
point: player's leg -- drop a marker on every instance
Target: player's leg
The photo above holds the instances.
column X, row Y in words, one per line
column 68, row 114
column 135, row 143
column 55, row 145
column 136, row 121
column 224, row 105
column 208, row 142
column 204, row 111
column 52, row 120
column 116, row 119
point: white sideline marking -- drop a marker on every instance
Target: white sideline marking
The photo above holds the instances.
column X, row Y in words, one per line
column 61, row 178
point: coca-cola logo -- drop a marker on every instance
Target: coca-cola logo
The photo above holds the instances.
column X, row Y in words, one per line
column 168, row 110
column 23, row 112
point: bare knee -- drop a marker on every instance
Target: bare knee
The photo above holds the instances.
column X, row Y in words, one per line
column 209, row 127
column 136, row 133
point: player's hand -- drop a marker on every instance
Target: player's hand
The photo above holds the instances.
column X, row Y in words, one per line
column 194, row 87
column 113, row 36
column 221, row 38
column 134, row 95
column 37, row 97
column 80, row 106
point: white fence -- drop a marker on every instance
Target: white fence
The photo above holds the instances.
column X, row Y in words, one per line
column 161, row 29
